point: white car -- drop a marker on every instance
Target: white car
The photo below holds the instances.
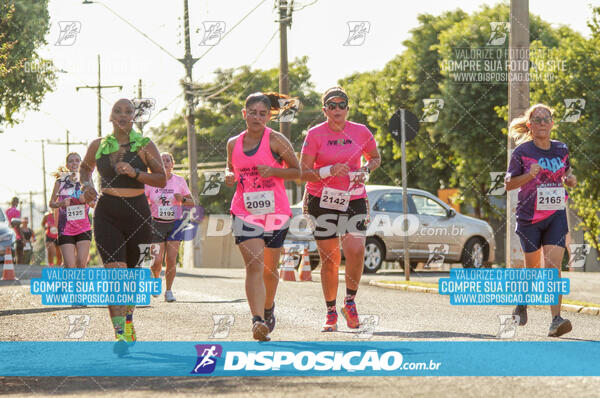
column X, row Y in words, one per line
column 435, row 231
column 7, row 237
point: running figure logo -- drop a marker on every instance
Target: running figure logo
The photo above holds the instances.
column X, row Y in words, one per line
column 497, row 186
column 77, row 326
column 431, row 109
column 499, row 33
column 186, row 227
column 437, row 254
column 357, row 33
column 68, row 33
column 212, row 182
column 368, row 324
column 147, row 253
column 287, row 109
column 213, row 32
column 578, row 254
column 207, row 358
column 508, row 326
column 223, row 324
column 574, row 109
column 143, row 109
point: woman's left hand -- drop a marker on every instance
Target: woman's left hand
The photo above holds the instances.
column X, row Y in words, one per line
column 570, row 181
column 125, row 168
column 265, row 171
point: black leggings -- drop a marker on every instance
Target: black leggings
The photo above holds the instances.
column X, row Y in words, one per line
column 122, row 229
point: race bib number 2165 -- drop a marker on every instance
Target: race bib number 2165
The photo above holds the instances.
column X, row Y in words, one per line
column 550, row 198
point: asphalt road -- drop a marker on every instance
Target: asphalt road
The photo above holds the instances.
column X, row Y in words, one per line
column 300, row 313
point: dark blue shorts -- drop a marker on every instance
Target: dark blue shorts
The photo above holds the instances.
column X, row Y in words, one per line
column 551, row 231
column 244, row 231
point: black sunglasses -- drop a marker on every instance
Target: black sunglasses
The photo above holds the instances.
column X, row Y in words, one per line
column 539, row 120
column 331, row 105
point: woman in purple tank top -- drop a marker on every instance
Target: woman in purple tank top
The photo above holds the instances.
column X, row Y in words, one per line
column 259, row 160
column 540, row 168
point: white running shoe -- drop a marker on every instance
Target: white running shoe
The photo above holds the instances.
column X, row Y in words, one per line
column 169, row 296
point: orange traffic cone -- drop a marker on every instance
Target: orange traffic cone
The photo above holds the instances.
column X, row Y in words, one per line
column 287, row 273
column 306, row 271
column 8, row 272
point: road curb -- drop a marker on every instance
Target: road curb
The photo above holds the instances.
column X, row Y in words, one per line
column 421, row 289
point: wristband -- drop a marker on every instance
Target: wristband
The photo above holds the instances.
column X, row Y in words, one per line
column 325, row 172
column 137, row 173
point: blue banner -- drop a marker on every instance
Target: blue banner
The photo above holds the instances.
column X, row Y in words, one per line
column 506, row 286
column 197, row 359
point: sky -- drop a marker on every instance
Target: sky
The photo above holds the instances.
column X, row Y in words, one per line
column 319, row 31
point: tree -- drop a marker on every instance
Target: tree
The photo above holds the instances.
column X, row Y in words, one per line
column 405, row 82
column 473, row 123
column 24, row 76
column 576, row 78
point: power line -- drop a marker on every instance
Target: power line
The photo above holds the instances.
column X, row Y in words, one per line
column 234, row 26
column 132, row 26
column 306, row 5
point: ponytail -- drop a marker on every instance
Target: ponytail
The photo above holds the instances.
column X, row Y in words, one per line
column 272, row 101
column 518, row 129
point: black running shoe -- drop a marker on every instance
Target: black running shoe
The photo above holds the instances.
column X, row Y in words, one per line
column 270, row 318
column 521, row 312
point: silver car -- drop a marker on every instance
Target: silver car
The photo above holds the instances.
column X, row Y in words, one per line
column 435, row 231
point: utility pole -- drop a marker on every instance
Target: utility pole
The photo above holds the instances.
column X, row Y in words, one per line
column 188, row 62
column 518, row 102
column 43, row 171
column 99, row 88
column 67, row 143
column 30, row 193
column 44, row 174
column 140, row 125
column 285, row 21
column 30, row 208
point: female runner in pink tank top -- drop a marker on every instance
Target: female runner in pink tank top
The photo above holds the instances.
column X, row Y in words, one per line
column 259, row 160
column 335, row 196
column 74, row 228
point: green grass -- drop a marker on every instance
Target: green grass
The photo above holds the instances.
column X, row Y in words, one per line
column 582, row 303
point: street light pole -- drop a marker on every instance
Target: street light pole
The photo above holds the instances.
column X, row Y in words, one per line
column 188, row 62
